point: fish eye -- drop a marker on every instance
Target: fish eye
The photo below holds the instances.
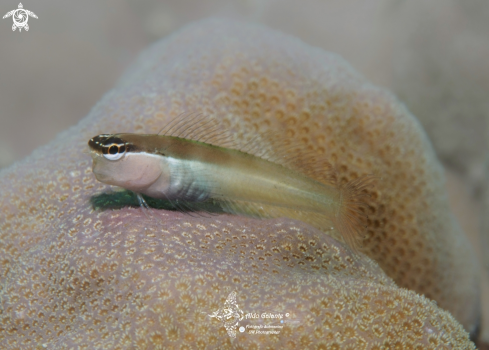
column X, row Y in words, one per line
column 115, row 152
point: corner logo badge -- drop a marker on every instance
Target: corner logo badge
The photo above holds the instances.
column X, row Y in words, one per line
column 230, row 314
column 20, row 17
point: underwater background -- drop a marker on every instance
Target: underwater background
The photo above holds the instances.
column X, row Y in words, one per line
column 432, row 54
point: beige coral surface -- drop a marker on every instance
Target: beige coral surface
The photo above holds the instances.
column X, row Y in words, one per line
column 72, row 275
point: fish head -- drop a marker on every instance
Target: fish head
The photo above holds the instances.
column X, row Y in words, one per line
column 119, row 160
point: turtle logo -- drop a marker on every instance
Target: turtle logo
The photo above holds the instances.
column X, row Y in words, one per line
column 20, row 17
column 230, row 314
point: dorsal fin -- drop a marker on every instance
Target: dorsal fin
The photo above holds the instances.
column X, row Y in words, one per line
column 271, row 145
column 199, row 127
column 281, row 150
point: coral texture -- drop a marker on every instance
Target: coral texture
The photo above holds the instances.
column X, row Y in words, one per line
column 74, row 275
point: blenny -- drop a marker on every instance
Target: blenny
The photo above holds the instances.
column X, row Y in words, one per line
column 192, row 162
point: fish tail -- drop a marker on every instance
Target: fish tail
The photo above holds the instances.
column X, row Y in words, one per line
column 351, row 217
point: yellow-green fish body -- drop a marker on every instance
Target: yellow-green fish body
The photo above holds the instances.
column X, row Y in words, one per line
column 176, row 168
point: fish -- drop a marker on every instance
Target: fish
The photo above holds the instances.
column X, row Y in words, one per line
column 192, row 162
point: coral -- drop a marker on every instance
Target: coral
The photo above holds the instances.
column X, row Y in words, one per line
column 75, row 275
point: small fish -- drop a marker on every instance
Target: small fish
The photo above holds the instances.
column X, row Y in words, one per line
column 190, row 164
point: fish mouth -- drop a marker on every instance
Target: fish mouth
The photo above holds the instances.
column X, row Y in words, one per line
column 98, row 168
column 101, row 177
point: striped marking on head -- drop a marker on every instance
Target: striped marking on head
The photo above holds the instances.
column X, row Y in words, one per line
column 110, row 146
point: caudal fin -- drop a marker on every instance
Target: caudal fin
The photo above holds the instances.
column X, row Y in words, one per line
column 351, row 218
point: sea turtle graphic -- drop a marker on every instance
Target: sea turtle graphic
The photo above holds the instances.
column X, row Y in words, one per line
column 20, row 17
